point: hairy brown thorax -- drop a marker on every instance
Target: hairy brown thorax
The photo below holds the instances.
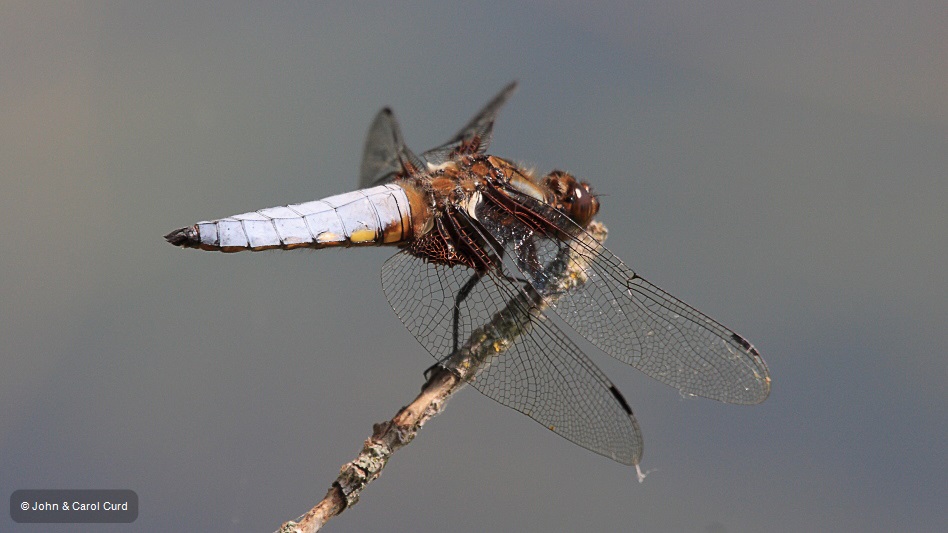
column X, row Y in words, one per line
column 444, row 198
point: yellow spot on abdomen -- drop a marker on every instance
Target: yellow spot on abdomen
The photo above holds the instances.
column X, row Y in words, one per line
column 362, row 235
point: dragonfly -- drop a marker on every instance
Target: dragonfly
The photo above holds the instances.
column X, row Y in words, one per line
column 484, row 241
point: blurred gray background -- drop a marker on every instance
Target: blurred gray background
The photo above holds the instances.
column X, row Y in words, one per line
column 782, row 168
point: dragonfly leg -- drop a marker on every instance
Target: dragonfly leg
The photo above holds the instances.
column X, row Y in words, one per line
column 461, row 296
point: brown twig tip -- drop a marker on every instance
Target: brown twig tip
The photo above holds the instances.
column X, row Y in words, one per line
column 387, row 438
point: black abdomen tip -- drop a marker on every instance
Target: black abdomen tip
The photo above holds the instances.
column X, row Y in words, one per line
column 184, row 237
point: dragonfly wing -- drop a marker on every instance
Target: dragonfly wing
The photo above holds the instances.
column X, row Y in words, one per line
column 622, row 313
column 541, row 374
column 385, row 155
column 475, row 136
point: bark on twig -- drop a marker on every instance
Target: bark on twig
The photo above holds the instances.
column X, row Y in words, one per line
column 481, row 347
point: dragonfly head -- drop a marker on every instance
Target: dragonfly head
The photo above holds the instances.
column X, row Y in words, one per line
column 573, row 197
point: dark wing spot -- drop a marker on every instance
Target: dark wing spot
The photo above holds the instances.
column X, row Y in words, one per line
column 744, row 344
column 625, row 405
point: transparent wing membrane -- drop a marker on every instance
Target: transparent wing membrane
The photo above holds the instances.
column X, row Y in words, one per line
column 475, row 136
column 541, row 374
column 625, row 315
column 385, row 155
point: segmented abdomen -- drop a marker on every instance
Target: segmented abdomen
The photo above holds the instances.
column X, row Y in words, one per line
column 374, row 216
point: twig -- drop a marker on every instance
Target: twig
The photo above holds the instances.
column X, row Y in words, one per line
column 483, row 345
